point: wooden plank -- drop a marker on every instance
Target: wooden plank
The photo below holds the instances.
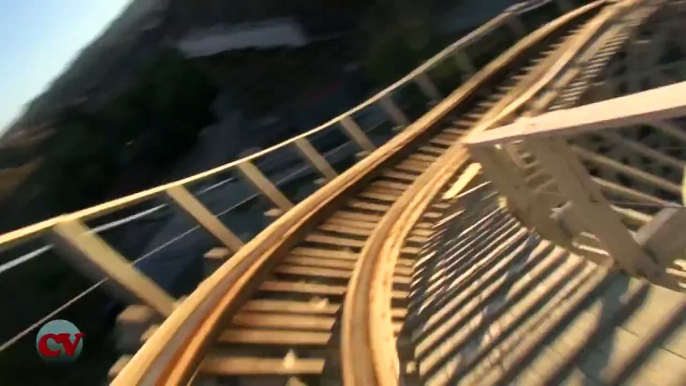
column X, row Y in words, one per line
column 465, row 179
column 318, row 262
column 316, row 159
column 261, row 183
column 291, row 306
column 193, row 208
column 629, row 193
column 227, row 366
column 519, row 301
column 628, row 170
column 450, row 130
column 573, row 181
column 331, row 240
column 329, row 273
column 644, row 150
column 356, row 134
column 274, row 337
column 389, row 185
column 305, row 288
column 663, row 236
column 422, row 157
column 360, row 204
column 411, row 167
column 351, row 223
column 283, row 321
column 345, row 229
column 643, row 107
column 325, row 253
column 442, row 141
column 377, row 196
column 374, row 218
column 88, row 252
column 437, row 151
column 399, row 176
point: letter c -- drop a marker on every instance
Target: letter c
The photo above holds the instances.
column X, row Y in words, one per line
column 43, row 345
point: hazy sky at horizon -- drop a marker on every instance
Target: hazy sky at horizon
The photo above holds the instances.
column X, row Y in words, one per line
column 38, row 38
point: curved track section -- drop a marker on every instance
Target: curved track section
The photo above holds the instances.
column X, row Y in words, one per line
column 271, row 314
column 494, row 303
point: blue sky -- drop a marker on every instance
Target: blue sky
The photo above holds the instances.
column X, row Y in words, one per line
column 38, row 38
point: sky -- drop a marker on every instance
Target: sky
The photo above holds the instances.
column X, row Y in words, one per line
column 38, row 39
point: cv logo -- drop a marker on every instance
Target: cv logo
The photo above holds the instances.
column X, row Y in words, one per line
column 59, row 341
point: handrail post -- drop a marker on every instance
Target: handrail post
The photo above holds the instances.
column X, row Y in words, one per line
column 574, row 182
column 261, row 183
column 394, row 112
column 315, row 158
column 464, row 63
column 95, row 258
column 194, row 209
column 353, row 131
column 428, row 87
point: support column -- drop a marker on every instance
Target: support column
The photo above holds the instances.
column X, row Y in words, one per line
column 261, row 183
column 315, row 158
column 353, row 131
column 182, row 199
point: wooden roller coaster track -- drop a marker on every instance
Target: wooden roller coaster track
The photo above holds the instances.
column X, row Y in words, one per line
column 478, row 246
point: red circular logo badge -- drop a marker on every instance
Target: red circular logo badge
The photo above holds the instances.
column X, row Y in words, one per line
column 59, row 341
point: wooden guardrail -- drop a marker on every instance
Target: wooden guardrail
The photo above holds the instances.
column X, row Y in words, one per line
column 544, row 137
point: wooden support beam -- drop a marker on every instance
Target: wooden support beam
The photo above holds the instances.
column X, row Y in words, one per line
column 526, row 206
column 644, row 150
column 261, row 183
column 394, row 112
column 95, row 258
column 353, row 131
column 663, row 237
column 609, row 163
column 182, row 199
column 573, row 180
column 641, row 108
column 315, row 158
column 427, row 87
column 569, row 219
